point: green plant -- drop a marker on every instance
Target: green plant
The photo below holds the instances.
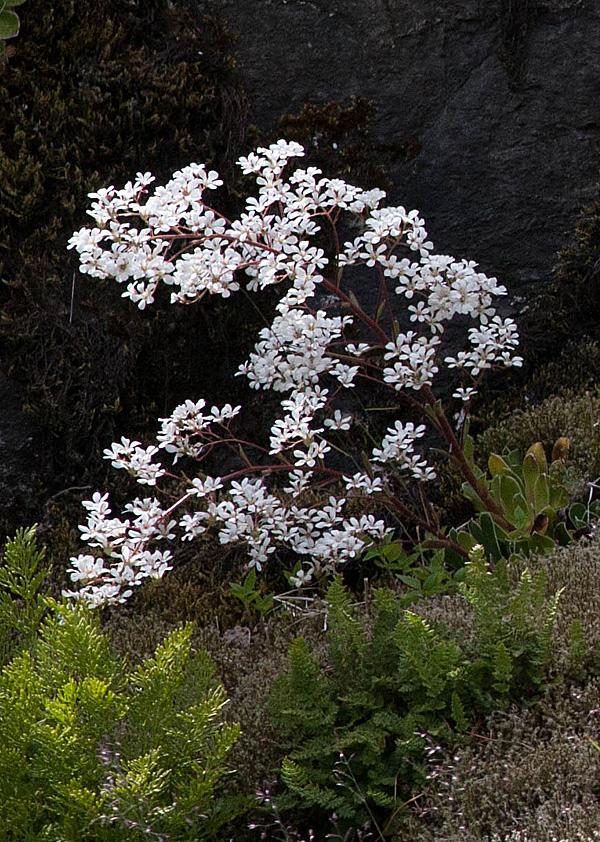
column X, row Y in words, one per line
column 250, row 596
column 93, row 751
column 393, row 680
column 22, row 606
column 9, row 23
column 532, row 512
column 424, row 573
column 568, row 413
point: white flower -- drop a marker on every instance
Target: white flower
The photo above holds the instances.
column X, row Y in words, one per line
column 464, row 394
column 363, row 483
column 202, row 488
column 339, row 421
column 145, row 236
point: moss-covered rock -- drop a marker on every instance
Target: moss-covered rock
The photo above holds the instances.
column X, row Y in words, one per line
column 94, row 93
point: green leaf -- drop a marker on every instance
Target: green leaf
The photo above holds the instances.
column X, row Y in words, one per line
column 578, row 515
column 519, row 518
column 468, row 446
column 354, row 300
column 531, row 474
column 466, row 540
column 541, row 543
column 559, row 496
column 10, row 3
column 458, row 712
column 537, row 451
column 470, row 493
column 484, row 532
column 505, row 490
column 562, row 535
column 9, row 24
column 411, row 581
column 497, row 465
column 541, row 494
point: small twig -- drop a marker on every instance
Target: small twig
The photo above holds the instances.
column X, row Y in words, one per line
column 498, row 740
column 72, row 300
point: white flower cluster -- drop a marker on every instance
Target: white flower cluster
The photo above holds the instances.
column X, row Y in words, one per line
column 173, row 237
column 125, row 561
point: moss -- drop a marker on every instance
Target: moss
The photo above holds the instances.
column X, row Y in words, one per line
column 528, row 774
column 95, row 93
column 336, row 139
column 568, row 309
column 576, row 417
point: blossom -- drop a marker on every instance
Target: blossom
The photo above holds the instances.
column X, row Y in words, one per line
column 339, row 421
column 296, row 495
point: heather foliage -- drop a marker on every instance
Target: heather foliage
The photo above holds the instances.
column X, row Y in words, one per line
column 22, row 604
column 92, row 750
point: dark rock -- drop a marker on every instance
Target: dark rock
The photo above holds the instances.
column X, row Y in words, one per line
column 503, row 96
column 18, row 459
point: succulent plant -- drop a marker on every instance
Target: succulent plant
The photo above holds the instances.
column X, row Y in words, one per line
column 532, row 502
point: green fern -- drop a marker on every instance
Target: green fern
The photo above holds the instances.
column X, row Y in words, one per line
column 502, row 669
column 392, row 677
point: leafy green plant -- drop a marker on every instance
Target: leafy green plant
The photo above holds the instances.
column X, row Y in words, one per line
column 424, row 573
column 393, row 680
column 91, row 750
column 251, row 596
column 22, row 606
column 532, row 504
column 9, row 23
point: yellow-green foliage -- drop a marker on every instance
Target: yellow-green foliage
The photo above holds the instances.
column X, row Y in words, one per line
column 21, row 604
column 91, row 751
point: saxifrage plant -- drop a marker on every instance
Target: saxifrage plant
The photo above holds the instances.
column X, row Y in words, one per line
column 9, row 23
column 320, row 443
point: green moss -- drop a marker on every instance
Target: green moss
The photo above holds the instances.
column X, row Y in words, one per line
column 95, row 93
column 575, row 291
column 562, row 318
column 336, row 139
column 576, row 417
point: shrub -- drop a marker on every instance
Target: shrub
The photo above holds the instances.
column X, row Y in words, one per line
column 92, row 750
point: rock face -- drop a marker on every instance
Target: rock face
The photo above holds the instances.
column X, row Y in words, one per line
column 503, row 96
